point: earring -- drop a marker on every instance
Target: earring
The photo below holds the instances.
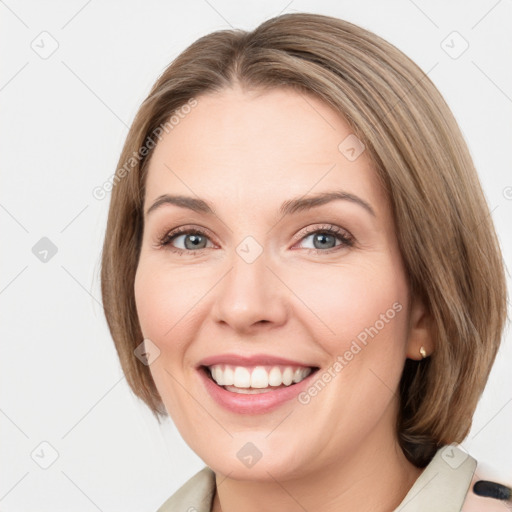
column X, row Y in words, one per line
column 423, row 352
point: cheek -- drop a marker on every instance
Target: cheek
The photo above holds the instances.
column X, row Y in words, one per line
column 151, row 303
column 165, row 308
column 363, row 311
column 166, row 300
column 355, row 303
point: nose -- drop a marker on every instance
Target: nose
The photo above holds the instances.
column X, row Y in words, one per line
column 251, row 297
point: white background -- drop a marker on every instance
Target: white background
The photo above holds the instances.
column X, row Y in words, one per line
column 64, row 120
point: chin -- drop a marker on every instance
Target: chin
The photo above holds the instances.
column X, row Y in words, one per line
column 251, row 463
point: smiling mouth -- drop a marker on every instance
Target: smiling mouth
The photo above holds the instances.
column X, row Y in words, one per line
column 256, row 379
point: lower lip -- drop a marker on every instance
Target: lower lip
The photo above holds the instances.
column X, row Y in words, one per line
column 254, row 403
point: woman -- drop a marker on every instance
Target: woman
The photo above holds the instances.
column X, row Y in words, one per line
column 301, row 270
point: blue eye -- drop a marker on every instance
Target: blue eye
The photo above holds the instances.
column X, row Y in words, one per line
column 196, row 240
column 322, row 239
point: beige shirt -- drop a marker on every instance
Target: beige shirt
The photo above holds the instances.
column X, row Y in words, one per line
column 441, row 487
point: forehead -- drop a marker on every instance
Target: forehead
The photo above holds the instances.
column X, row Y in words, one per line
column 258, row 145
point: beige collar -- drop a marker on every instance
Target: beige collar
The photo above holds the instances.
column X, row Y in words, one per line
column 442, row 485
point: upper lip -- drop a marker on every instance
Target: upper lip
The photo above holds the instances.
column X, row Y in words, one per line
column 252, row 360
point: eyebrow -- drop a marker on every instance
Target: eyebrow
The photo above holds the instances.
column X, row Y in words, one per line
column 289, row 207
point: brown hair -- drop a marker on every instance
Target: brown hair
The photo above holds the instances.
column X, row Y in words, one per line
column 446, row 236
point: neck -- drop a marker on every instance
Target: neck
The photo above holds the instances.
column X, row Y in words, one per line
column 376, row 476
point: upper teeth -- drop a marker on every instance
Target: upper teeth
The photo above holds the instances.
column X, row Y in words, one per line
column 258, row 376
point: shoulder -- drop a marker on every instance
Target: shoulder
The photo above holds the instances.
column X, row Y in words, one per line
column 490, row 502
column 447, row 484
column 195, row 495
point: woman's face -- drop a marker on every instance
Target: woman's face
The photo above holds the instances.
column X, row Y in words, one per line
column 276, row 280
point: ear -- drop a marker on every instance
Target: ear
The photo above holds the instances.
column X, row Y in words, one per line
column 420, row 331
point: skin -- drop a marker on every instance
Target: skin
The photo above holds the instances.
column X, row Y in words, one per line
column 246, row 152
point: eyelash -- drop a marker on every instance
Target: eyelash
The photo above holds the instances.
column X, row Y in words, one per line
column 346, row 239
